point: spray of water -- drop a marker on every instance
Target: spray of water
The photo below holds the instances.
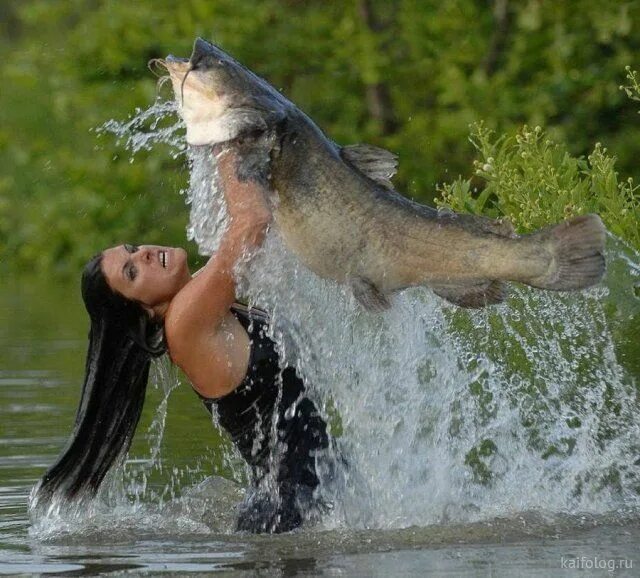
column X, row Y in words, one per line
column 147, row 128
column 453, row 415
column 145, row 495
column 444, row 415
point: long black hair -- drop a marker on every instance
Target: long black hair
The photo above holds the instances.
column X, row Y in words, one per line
column 122, row 340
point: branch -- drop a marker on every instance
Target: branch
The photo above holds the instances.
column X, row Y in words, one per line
column 502, row 20
column 378, row 96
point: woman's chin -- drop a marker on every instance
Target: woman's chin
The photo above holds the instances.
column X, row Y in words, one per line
column 180, row 260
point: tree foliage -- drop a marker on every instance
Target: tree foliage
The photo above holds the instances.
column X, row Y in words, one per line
column 408, row 76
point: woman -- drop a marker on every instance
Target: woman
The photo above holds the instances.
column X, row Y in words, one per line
column 142, row 302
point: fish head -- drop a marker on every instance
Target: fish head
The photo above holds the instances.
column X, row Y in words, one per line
column 218, row 98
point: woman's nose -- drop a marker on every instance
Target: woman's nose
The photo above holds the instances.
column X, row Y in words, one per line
column 145, row 254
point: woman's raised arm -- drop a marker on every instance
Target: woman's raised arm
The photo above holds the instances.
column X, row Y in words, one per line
column 204, row 302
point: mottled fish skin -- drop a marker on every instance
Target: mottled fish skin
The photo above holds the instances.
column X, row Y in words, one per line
column 339, row 213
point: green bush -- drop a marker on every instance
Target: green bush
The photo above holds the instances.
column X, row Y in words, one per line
column 534, row 181
column 633, row 88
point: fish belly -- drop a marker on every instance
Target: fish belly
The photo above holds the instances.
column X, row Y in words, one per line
column 321, row 213
column 322, row 240
column 391, row 246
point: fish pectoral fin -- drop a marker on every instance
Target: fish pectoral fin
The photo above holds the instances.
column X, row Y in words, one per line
column 369, row 296
column 472, row 296
column 376, row 163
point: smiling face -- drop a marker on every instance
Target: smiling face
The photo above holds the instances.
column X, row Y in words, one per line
column 149, row 274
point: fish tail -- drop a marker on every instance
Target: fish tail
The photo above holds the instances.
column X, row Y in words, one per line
column 576, row 248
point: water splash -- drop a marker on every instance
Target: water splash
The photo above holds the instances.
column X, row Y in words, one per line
column 135, row 474
column 208, row 210
column 144, row 495
column 158, row 124
column 453, row 415
column 447, row 415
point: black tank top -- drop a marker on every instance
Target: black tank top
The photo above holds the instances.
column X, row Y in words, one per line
column 277, row 430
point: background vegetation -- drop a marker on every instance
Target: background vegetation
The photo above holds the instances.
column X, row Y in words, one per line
column 408, row 76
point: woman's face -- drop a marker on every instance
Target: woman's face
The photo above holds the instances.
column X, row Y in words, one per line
column 149, row 274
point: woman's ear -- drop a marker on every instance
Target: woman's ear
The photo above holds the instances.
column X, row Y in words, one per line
column 148, row 310
column 156, row 312
column 149, row 335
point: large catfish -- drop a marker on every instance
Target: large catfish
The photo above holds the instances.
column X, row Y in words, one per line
column 338, row 211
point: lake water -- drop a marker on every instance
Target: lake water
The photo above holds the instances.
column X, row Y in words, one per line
column 173, row 508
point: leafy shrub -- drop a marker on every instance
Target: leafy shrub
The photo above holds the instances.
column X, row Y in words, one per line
column 533, row 181
column 632, row 89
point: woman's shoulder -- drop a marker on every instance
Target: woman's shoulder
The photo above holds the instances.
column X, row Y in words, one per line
column 215, row 359
column 185, row 329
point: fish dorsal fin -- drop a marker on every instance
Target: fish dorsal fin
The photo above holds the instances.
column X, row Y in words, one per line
column 376, row 163
column 472, row 296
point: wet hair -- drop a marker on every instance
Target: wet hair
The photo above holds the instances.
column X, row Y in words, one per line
column 122, row 340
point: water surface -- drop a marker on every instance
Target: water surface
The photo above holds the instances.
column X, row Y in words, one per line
column 174, row 513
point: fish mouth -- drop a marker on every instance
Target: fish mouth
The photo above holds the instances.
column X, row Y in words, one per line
column 204, row 56
column 176, row 67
